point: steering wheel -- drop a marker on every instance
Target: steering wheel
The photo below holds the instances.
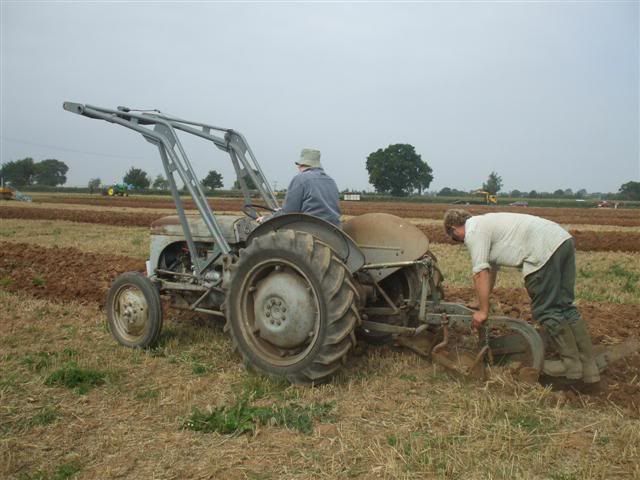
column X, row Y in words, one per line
column 251, row 210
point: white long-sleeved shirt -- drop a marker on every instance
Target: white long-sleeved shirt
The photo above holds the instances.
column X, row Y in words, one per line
column 512, row 240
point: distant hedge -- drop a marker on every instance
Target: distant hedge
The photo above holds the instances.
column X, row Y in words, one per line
column 502, row 201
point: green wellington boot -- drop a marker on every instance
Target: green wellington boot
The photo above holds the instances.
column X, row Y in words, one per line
column 569, row 365
column 590, row 371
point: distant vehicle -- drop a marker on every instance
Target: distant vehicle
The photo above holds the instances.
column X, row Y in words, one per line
column 519, row 204
column 608, row 204
column 8, row 193
column 119, row 189
column 489, row 198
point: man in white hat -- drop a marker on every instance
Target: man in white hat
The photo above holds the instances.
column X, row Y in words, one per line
column 312, row 191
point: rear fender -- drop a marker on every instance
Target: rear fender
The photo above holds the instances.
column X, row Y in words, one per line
column 385, row 238
column 342, row 245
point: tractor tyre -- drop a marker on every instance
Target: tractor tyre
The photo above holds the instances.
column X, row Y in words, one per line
column 111, row 192
column 291, row 307
column 134, row 312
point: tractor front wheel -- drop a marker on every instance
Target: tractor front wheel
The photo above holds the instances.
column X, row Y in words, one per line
column 134, row 312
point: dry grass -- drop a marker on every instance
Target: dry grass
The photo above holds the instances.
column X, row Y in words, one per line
column 128, row 241
column 394, row 415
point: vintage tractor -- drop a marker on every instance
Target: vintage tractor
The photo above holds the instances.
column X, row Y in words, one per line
column 296, row 292
column 117, row 190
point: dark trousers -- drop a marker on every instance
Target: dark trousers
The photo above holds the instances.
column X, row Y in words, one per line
column 552, row 289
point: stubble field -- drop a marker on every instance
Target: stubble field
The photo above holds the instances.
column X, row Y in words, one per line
column 74, row 404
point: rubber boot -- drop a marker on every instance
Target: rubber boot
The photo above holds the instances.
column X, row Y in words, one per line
column 590, row 372
column 569, row 365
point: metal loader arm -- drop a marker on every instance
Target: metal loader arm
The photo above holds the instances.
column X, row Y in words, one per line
column 174, row 159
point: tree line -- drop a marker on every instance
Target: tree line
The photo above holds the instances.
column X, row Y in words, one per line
column 396, row 170
column 25, row 172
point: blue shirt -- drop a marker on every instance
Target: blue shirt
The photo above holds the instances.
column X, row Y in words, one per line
column 313, row 192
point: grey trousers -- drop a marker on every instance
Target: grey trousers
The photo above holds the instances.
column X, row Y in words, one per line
column 552, row 289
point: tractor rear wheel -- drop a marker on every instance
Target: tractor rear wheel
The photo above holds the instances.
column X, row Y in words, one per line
column 291, row 307
column 134, row 312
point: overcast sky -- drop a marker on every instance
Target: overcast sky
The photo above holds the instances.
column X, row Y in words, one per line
column 544, row 93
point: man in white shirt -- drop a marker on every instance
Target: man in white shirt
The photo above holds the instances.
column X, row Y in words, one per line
column 545, row 253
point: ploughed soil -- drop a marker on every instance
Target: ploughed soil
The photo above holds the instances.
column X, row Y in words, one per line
column 595, row 216
column 585, row 240
column 65, row 274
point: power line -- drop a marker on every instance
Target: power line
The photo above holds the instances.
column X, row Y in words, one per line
column 56, row 147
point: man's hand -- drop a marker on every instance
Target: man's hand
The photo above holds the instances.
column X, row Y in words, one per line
column 260, row 219
column 479, row 318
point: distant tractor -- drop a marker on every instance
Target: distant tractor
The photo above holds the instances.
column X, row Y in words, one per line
column 8, row 193
column 489, row 198
column 117, row 190
column 296, row 292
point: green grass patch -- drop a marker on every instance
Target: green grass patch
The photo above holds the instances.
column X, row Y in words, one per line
column 137, row 240
column 6, row 282
column 38, row 281
column 147, row 395
column 526, row 422
column 62, row 472
column 44, row 417
column 243, row 417
column 630, row 279
column 79, row 379
column 260, row 386
column 39, row 361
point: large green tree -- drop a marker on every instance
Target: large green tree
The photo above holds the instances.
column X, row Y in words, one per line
column 19, row 172
column 51, row 172
column 630, row 191
column 137, row 178
column 493, row 183
column 213, row 180
column 398, row 170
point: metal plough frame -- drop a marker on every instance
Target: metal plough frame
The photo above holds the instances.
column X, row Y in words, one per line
column 448, row 316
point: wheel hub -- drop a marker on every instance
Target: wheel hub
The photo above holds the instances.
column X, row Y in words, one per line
column 285, row 311
column 133, row 311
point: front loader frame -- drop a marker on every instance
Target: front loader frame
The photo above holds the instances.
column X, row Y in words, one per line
column 160, row 130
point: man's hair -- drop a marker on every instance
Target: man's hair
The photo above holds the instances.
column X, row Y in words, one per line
column 455, row 217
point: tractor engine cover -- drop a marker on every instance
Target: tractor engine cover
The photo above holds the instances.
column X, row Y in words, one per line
column 386, row 238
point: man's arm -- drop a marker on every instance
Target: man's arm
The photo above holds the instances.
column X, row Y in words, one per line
column 483, row 282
